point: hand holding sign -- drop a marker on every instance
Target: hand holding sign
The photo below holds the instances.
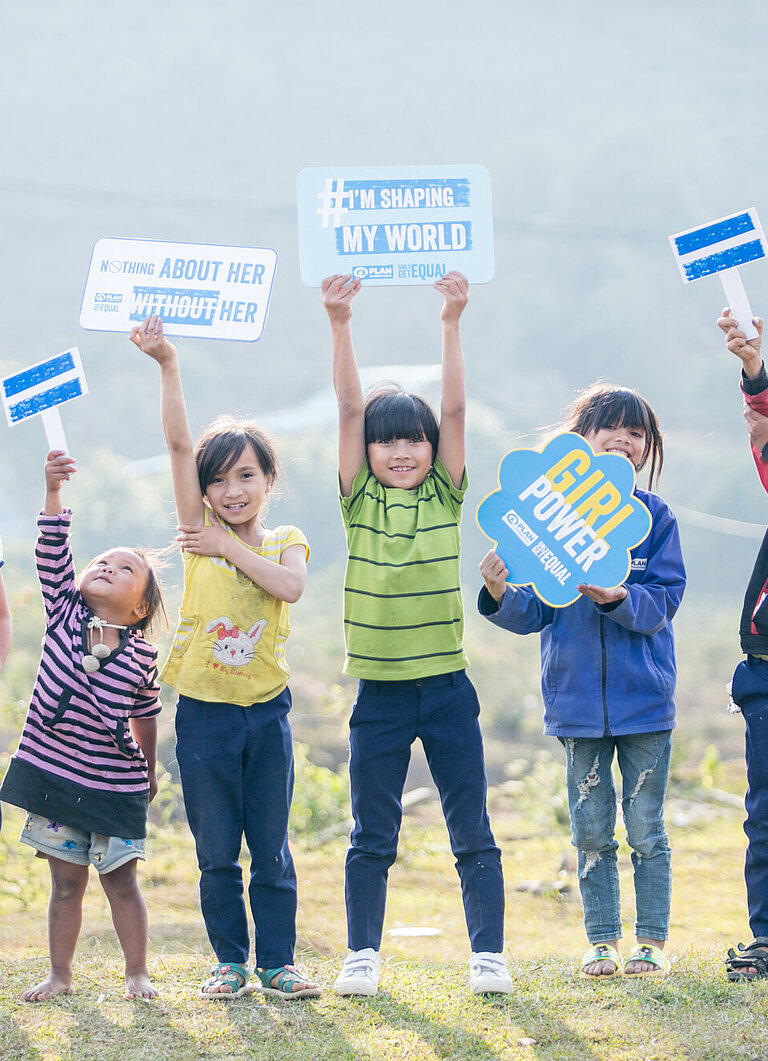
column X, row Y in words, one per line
column 747, row 350
column 40, row 389
column 561, row 514
column 150, row 339
column 720, row 247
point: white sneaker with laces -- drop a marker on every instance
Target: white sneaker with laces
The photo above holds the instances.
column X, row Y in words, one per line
column 488, row 974
column 360, row 973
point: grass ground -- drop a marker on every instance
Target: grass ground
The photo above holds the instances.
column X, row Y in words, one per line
column 424, row 1010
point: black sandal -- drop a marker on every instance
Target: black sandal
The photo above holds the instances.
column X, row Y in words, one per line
column 753, row 956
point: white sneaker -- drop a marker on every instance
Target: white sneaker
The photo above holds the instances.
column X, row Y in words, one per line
column 360, row 973
column 488, row 974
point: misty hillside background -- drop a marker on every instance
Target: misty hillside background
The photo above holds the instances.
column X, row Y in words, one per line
column 605, row 128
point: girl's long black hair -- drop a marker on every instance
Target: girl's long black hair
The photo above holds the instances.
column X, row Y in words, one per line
column 607, row 405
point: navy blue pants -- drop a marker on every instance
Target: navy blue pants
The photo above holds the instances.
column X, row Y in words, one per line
column 387, row 718
column 750, row 692
column 236, row 766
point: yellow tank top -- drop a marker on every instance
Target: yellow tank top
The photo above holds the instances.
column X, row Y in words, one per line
column 230, row 640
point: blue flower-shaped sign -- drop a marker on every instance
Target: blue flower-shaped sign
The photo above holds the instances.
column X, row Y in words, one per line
column 565, row 515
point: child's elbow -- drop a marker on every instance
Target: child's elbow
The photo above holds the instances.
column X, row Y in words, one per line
column 351, row 408
column 455, row 410
column 294, row 590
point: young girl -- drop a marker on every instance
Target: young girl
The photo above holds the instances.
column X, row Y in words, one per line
column 402, row 482
column 608, row 680
column 85, row 766
column 228, row 665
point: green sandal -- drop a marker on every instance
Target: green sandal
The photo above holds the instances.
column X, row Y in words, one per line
column 600, row 952
column 287, row 976
column 227, row 974
column 644, row 952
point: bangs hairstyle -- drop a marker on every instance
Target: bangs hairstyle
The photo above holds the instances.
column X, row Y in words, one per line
column 605, row 405
column 391, row 412
column 222, row 443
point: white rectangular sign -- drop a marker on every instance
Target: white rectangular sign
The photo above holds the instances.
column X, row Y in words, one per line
column 40, row 389
column 721, row 247
column 43, row 386
column 197, row 289
column 723, row 244
column 395, row 224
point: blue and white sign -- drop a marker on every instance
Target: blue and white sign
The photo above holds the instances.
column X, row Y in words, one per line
column 565, row 515
column 395, row 224
column 198, row 289
column 721, row 247
column 41, row 388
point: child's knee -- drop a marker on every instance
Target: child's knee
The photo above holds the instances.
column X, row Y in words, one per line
column 68, row 880
column 648, row 843
column 71, row 888
column 122, row 882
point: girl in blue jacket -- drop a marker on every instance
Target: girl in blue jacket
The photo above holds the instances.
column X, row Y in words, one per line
column 608, row 680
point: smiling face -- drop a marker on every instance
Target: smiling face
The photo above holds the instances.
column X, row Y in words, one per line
column 114, row 587
column 629, row 441
column 237, row 495
column 400, row 462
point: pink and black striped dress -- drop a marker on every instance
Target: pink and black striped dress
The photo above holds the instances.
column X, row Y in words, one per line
column 77, row 762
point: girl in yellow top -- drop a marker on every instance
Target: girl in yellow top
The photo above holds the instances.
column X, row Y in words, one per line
column 227, row 663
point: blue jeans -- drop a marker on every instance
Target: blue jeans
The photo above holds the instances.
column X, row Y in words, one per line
column 387, row 718
column 236, row 766
column 750, row 691
column 643, row 760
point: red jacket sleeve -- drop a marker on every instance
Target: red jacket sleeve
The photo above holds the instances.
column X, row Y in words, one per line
column 759, row 402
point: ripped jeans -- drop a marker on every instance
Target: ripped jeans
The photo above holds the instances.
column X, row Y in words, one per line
column 643, row 760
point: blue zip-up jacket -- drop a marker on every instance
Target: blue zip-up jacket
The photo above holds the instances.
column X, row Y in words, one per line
column 608, row 670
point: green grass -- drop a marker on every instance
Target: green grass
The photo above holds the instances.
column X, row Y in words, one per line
column 424, row 1010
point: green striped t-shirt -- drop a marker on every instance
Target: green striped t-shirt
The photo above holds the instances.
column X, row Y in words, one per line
column 403, row 613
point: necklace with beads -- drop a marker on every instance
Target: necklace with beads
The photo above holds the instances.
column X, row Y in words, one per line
column 99, row 651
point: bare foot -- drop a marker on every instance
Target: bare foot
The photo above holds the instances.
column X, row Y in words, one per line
column 289, row 982
column 638, row 966
column 607, row 967
column 53, row 985
column 227, row 980
column 748, row 972
column 138, row 985
column 604, row 965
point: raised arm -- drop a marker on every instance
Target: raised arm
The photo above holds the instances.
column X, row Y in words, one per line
column 186, row 486
column 59, row 468
column 453, row 404
column 338, row 292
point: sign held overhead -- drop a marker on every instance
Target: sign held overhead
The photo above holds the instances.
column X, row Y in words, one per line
column 721, row 247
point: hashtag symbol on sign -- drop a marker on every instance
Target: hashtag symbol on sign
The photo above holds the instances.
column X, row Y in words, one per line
column 332, row 200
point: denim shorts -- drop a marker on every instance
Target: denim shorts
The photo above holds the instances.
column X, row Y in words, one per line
column 76, row 845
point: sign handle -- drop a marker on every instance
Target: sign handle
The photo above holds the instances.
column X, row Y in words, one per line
column 54, row 429
column 738, row 303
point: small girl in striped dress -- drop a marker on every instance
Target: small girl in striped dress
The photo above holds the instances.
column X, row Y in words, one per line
column 85, row 767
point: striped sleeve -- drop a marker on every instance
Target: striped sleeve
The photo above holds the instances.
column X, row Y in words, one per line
column 53, row 556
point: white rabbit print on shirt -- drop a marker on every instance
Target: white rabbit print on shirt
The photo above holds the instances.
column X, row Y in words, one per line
column 233, row 646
